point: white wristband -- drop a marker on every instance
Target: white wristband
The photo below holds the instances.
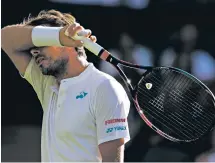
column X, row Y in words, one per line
column 46, row 36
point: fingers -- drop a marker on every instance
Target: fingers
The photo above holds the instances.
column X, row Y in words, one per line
column 79, row 43
column 93, row 38
column 72, row 29
column 89, row 33
column 75, row 28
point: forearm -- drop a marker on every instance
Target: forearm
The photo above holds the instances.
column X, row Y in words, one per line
column 113, row 155
column 17, row 40
column 22, row 37
column 116, row 157
column 16, row 37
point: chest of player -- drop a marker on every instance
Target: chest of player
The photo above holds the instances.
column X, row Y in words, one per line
column 70, row 110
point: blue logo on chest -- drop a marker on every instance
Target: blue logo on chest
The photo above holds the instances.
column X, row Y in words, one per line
column 82, row 95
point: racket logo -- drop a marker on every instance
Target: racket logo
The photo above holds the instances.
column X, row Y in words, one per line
column 148, row 85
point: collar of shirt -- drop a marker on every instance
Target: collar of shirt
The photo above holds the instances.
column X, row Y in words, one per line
column 76, row 79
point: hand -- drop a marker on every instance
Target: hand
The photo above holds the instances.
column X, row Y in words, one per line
column 72, row 30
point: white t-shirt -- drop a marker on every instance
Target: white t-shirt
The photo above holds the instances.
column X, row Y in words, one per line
column 82, row 113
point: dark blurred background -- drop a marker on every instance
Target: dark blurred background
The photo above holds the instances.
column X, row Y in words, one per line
column 178, row 33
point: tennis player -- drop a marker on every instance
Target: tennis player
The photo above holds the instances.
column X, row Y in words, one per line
column 85, row 110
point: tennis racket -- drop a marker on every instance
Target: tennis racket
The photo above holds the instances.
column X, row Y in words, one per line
column 171, row 101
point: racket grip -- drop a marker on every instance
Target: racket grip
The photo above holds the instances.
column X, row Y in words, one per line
column 88, row 44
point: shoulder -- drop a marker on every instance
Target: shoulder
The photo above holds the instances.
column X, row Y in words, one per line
column 110, row 90
column 105, row 86
column 107, row 83
column 100, row 78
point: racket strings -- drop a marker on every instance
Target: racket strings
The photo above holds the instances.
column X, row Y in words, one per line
column 188, row 101
column 182, row 82
column 180, row 110
column 188, row 97
column 170, row 128
column 183, row 101
column 181, row 121
column 181, row 116
column 191, row 96
column 196, row 104
column 187, row 90
column 176, row 119
column 175, row 125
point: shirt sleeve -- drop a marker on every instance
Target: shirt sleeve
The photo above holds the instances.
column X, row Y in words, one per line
column 35, row 77
column 111, row 111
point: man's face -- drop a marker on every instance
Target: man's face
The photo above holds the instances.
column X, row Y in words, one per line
column 51, row 60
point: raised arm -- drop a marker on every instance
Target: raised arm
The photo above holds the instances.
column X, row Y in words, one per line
column 18, row 39
column 15, row 41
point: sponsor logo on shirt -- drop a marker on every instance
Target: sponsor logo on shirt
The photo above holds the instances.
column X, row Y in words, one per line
column 82, row 95
column 117, row 128
column 115, row 121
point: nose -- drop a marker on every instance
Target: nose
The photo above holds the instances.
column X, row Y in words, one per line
column 35, row 52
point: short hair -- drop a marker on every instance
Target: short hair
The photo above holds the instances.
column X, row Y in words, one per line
column 53, row 18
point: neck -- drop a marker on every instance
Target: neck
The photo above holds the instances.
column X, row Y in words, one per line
column 73, row 69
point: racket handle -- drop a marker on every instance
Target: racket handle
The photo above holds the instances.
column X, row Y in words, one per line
column 88, row 44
